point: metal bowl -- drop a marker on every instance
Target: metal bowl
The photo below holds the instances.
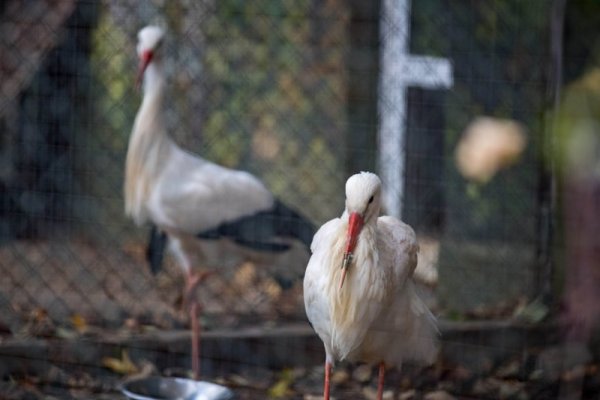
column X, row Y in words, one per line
column 159, row 388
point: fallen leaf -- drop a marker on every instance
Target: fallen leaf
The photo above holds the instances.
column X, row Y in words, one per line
column 371, row 394
column 239, row 380
column 146, row 369
column 439, row 395
column 245, row 275
column 39, row 314
column 79, row 323
column 271, row 288
column 362, row 373
column 281, row 388
column 509, row 370
column 340, row 377
column 123, row 366
column 533, row 312
column 65, row 333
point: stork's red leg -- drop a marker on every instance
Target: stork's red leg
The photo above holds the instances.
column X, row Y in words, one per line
column 195, row 339
column 190, row 299
column 327, row 380
column 380, row 381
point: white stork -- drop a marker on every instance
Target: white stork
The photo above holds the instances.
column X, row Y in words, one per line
column 190, row 199
column 359, row 293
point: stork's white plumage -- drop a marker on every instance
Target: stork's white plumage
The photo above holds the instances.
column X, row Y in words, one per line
column 190, row 198
column 358, row 289
column 169, row 186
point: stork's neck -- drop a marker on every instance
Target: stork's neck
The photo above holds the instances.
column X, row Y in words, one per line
column 149, row 131
column 149, row 144
column 154, row 80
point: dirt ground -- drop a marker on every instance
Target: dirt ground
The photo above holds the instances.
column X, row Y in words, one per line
column 513, row 379
column 74, row 284
column 73, row 295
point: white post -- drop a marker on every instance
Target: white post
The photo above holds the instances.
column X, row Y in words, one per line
column 399, row 70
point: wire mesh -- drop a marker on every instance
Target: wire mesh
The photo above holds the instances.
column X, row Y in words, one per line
column 240, row 96
column 290, row 91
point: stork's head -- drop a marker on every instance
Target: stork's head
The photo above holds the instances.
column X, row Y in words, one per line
column 149, row 40
column 363, row 201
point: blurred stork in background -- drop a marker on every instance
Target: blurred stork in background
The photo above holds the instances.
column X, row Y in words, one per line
column 191, row 200
column 359, row 293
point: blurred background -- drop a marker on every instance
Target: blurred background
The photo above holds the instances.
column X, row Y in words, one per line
column 300, row 93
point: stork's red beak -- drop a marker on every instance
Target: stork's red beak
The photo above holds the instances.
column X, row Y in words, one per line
column 355, row 225
column 145, row 59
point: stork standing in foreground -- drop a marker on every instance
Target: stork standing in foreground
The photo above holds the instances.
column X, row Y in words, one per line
column 193, row 200
column 358, row 289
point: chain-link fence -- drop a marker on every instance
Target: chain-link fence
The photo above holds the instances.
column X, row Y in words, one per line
column 266, row 94
column 299, row 93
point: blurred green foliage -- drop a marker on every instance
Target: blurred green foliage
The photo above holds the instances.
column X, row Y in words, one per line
column 275, row 88
column 115, row 102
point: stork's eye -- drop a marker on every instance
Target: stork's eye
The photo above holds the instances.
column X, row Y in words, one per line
column 370, row 199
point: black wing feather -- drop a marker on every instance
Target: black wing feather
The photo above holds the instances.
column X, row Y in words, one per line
column 262, row 231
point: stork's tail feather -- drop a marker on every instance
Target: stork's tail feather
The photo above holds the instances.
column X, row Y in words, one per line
column 155, row 252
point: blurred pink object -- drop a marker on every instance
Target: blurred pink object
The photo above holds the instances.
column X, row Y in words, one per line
column 488, row 145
